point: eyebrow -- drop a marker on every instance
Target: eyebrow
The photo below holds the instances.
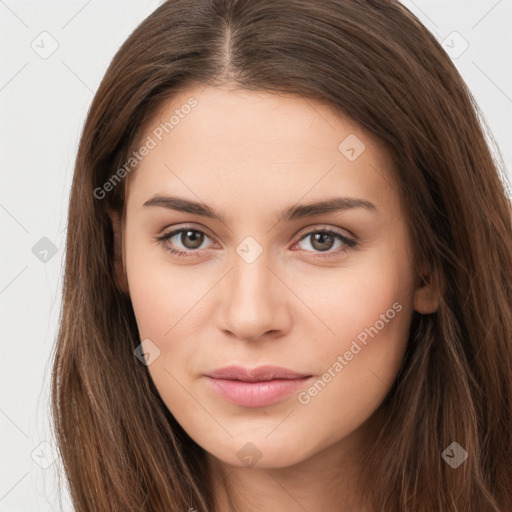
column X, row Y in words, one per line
column 291, row 213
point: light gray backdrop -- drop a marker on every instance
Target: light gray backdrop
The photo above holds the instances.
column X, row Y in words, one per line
column 54, row 54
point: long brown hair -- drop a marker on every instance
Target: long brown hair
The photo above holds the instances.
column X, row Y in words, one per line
column 375, row 62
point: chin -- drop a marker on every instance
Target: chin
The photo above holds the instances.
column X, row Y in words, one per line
column 254, row 451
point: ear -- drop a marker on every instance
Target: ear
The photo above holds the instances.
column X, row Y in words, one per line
column 427, row 295
column 119, row 258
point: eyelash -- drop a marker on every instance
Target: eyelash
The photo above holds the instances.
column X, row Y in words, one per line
column 349, row 243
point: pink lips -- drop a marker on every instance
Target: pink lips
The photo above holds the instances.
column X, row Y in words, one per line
column 258, row 387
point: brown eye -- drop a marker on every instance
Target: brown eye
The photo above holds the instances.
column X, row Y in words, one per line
column 184, row 241
column 191, row 239
column 322, row 241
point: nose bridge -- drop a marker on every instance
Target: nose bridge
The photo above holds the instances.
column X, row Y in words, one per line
column 251, row 303
column 250, row 283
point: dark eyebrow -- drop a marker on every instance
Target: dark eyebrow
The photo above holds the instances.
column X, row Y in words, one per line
column 293, row 212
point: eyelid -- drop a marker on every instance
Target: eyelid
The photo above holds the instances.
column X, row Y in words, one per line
column 325, row 227
column 179, row 227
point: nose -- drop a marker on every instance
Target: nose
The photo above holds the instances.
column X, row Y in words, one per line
column 253, row 301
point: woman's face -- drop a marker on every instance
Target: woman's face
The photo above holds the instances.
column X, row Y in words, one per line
column 267, row 278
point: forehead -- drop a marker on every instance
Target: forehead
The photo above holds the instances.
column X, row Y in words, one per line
column 227, row 143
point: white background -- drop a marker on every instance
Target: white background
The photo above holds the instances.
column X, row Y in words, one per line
column 43, row 105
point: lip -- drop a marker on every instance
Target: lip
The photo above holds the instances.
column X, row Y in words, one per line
column 257, row 387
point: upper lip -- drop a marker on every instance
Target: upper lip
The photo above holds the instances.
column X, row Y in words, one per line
column 259, row 374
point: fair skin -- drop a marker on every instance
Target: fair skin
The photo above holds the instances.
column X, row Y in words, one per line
column 249, row 156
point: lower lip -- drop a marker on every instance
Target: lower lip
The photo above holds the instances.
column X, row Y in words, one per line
column 256, row 394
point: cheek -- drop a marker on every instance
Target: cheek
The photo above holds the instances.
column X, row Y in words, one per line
column 368, row 313
column 357, row 372
column 164, row 309
column 163, row 304
column 369, row 300
column 170, row 317
column 161, row 294
column 170, row 304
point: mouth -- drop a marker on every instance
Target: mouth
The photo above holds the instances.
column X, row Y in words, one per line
column 258, row 387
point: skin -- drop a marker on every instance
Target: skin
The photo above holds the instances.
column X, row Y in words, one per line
column 250, row 155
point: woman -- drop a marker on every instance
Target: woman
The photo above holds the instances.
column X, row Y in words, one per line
column 288, row 277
